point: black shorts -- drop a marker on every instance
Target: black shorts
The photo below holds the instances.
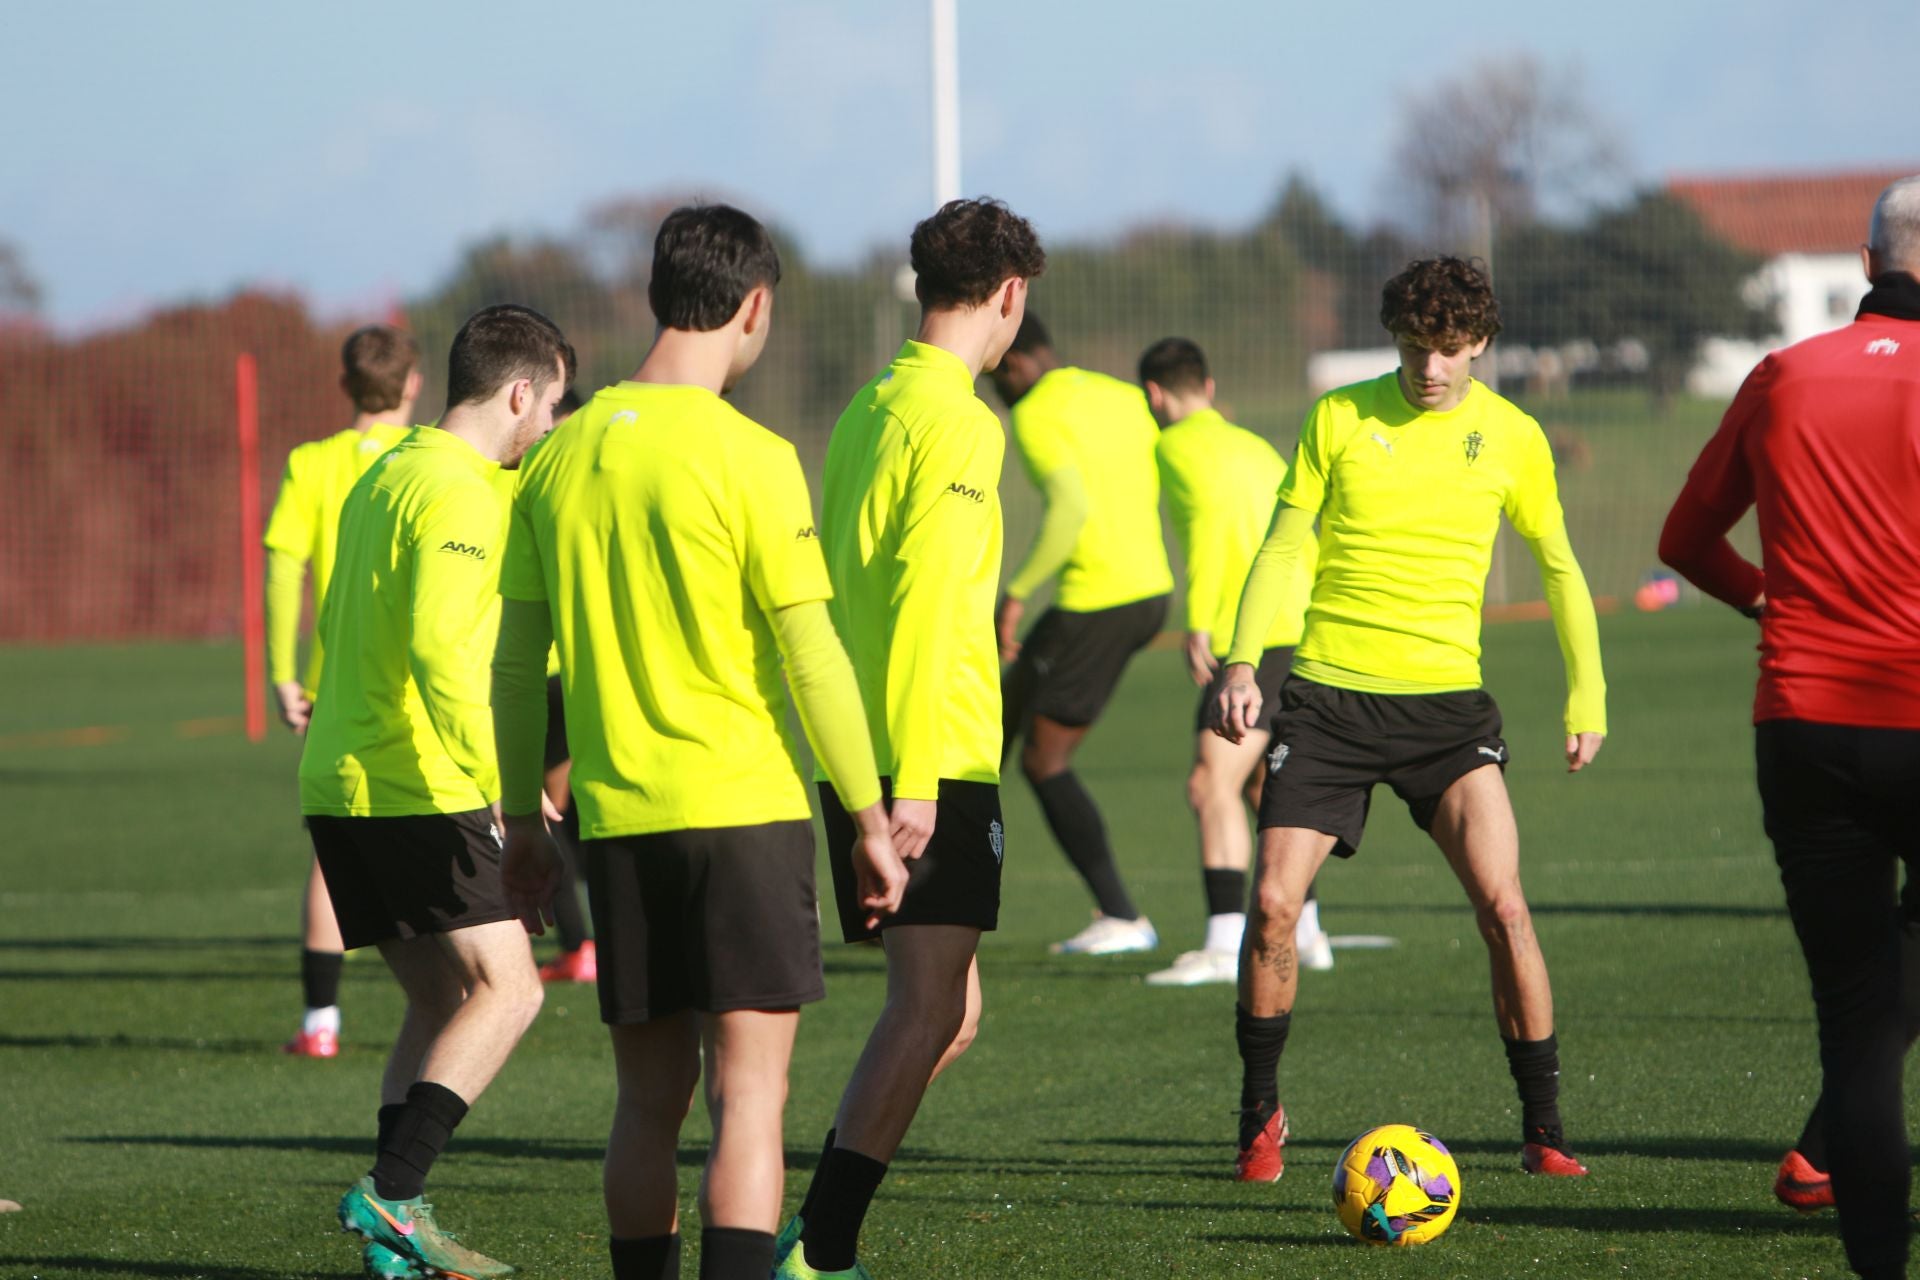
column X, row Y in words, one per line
column 713, row 920
column 1331, row 745
column 398, row 878
column 955, row 881
column 558, row 752
column 1269, row 676
column 1070, row 663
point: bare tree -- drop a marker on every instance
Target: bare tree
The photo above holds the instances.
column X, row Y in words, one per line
column 18, row 290
column 1491, row 146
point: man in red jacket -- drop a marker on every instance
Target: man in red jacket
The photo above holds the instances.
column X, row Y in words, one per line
column 1824, row 439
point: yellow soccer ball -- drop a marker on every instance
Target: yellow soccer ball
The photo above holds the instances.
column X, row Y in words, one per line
column 1396, row 1185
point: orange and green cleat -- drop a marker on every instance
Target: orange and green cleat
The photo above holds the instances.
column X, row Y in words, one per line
column 406, row 1227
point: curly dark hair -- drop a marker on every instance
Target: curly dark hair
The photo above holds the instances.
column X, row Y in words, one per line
column 1441, row 303
column 967, row 248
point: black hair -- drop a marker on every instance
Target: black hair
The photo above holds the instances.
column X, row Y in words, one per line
column 1177, row 364
column 503, row 344
column 1033, row 335
column 962, row 253
column 706, row 260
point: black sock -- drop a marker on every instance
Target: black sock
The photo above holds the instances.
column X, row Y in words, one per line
column 646, row 1257
column 569, row 921
column 806, row 1203
column 389, row 1115
column 1226, row 891
column 1077, row 826
column 415, row 1140
column 1261, row 1042
column 320, row 977
column 1813, row 1139
column 842, row 1190
column 1535, row 1065
column 734, row 1253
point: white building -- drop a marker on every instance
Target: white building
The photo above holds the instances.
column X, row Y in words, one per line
column 1809, row 228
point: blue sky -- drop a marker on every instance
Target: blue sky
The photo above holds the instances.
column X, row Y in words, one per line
column 165, row 151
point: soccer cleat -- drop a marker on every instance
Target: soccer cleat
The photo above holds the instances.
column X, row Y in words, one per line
column 1266, row 1159
column 789, row 1236
column 313, row 1044
column 382, row 1263
column 1107, row 936
column 1800, row 1186
column 1197, row 969
column 793, row 1266
column 577, row 965
column 1315, row 951
column 1552, row 1162
column 406, row 1227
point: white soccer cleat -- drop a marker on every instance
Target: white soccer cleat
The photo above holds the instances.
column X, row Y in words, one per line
column 1107, row 936
column 1315, row 951
column 1198, row 969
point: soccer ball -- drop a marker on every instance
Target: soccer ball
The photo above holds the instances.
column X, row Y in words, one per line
column 1396, row 1185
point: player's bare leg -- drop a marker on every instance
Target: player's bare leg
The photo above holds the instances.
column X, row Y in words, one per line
column 928, row 977
column 321, row 955
column 1290, row 857
column 494, row 965
column 1474, row 827
column 931, row 1011
column 1224, row 778
column 432, row 986
column 969, row 1022
column 747, row 1052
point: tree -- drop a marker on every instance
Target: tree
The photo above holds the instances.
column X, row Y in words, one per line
column 1647, row 271
column 1489, row 148
column 19, row 292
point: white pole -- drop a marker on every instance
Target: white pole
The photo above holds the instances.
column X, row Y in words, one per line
column 946, row 103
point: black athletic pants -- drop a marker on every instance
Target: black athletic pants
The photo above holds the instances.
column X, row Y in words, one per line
column 1841, row 812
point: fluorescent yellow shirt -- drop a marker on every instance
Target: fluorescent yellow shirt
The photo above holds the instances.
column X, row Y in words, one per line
column 1100, row 428
column 911, row 528
column 1409, row 502
column 305, row 526
column 1221, row 484
column 403, row 725
column 663, row 527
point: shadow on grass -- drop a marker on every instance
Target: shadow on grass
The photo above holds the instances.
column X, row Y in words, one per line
column 212, row 1044
column 137, row 1267
column 1753, row 1150
column 282, row 942
column 279, row 973
column 586, row 1149
column 1663, row 1222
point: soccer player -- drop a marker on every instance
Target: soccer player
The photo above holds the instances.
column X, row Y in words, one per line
column 399, row 781
column 669, row 543
column 578, row 961
column 1087, row 441
column 1408, row 476
column 912, row 531
column 1220, row 482
column 1821, row 441
column 381, row 376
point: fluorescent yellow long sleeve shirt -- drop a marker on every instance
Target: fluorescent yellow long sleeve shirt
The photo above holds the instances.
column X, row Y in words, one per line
column 1222, row 483
column 911, row 528
column 302, row 534
column 1409, row 501
column 404, row 724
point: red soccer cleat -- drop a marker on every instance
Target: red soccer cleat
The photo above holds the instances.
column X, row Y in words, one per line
column 1800, row 1186
column 1266, row 1159
column 313, row 1044
column 1550, row 1161
column 578, row 965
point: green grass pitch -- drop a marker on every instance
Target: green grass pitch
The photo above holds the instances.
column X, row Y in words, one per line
column 148, row 892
